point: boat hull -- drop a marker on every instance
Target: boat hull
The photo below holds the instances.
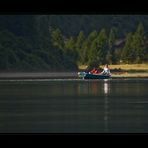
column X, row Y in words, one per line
column 85, row 75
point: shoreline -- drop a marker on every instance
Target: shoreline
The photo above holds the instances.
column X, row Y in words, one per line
column 130, row 75
column 37, row 75
column 50, row 75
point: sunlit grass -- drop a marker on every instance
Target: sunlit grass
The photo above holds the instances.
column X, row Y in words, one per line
column 122, row 66
column 125, row 70
column 129, row 66
column 82, row 67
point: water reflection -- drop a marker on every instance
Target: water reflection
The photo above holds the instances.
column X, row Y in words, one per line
column 74, row 106
column 89, row 88
column 94, row 88
column 106, row 104
column 106, row 87
column 98, row 88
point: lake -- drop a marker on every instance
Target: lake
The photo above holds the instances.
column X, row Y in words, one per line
column 74, row 106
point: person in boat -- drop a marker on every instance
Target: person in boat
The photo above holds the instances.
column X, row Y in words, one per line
column 106, row 70
column 94, row 71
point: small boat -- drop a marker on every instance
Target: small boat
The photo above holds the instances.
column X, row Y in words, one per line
column 85, row 75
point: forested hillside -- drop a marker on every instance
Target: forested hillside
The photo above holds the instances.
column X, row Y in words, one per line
column 25, row 45
column 62, row 42
column 73, row 24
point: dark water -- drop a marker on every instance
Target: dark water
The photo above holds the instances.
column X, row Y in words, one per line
column 74, row 106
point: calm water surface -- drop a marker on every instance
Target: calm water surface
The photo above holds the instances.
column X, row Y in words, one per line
column 74, row 106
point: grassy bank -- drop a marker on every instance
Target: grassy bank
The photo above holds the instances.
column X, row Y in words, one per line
column 130, row 67
column 123, row 67
column 129, row 70
column 125, row 70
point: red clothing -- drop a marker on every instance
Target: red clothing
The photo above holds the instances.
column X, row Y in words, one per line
column 94, row 71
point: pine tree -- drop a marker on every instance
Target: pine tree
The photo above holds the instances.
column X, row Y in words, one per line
column 70, row 49
column 112, row 38
column 83, row 54
column 91, row 38
column 102, row 43
column 70, row 44
column 127, row 54
column 135, row 46
column 80, row 40
column 117, row 56
column 95, row 56
column 57, row 38
column 110, row 57
column 78, row 46
column 139, row 43
column 86, row 47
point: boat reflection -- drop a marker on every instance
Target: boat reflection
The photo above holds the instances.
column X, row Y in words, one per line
column 98, row 88
column 106, row 87
column 94, row 88
column 106, row 104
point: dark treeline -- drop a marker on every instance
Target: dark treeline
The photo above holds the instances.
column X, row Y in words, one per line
column 25, row 45
column 62, row 42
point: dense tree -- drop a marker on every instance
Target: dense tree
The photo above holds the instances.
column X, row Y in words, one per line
column 70, row 48
column 25, row 44
column 139, row 43
column 128, row 52
column 78, row 46
column 71, row 25
column 57, row 38
column 110, row 56
column 112, row 37
column 62, row 42
column 70, row 44
column 135, row 46
column 117, row 56
column 102, row 41
column 95, row 56
column 87, row 46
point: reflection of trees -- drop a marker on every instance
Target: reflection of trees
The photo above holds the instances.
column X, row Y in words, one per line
column 83, row 88
column 89, row 88
column 94, row 88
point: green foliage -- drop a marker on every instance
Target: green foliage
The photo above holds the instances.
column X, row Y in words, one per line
column 102, row 41
column 70, row 44
column 112, row 37
column 79, row 46
column 57, row 38
column 117, row 56
column 29, row 47
column 139, row 43
column 109, row 57
column 61, row 42
column 128, row 51
column 80, row 39
column 86, row 47
column 135, row 46
column 95, row 56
